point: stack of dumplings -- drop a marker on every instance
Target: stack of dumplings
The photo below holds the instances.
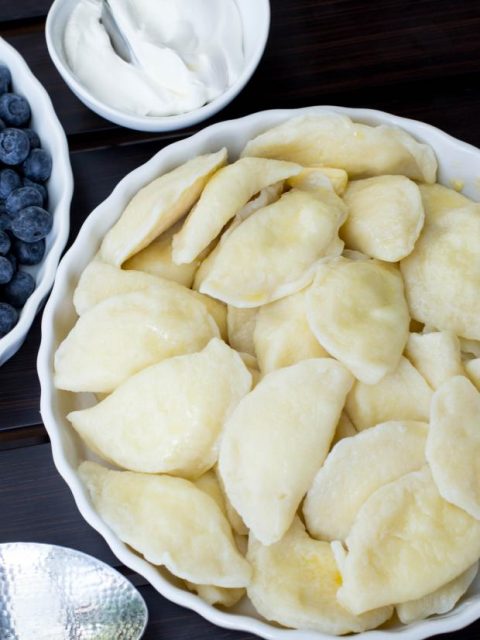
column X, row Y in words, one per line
column 282, row 354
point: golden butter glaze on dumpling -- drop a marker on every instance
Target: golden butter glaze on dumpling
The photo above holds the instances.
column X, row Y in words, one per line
column 295, row 582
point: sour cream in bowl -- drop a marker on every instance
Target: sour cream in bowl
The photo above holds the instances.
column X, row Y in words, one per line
column 192, row 57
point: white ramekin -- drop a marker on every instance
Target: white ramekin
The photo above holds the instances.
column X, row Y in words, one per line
column 457, row 161
column 255, row 16
column 60, row 189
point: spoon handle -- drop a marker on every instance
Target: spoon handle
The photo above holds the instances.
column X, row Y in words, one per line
column 119, row 42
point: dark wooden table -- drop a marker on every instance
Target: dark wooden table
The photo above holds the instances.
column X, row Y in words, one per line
column 415, row 58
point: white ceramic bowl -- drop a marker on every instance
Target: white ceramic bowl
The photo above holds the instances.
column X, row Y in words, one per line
column 457, row 160
column 60, row 188
column 255, row 16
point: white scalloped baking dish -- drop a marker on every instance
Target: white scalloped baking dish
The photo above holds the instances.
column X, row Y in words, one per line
column 457, row 160
column 60, row 189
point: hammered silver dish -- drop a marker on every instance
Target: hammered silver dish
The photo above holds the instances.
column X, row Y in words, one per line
column 54, row 593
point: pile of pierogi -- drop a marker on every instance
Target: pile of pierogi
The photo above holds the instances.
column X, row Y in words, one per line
column 284, row 352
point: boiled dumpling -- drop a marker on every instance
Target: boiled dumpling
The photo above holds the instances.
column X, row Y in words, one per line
column 157, row 259
column 241, row 325
column 356, row 256
column 211, row 483
column 274, row 252
column 207, row 264
column 358, row 313
column 219, row 596
column 453, row 445
column 282, row 335
column 208, row 482
column 158, row 206
column 168, row 417
column 469, row 348
column 400, row 542
column 472, row 369
column 276, row 440
column 227, row 192
column 170, row 522
column 355, row 469
column 216, row 596
column 385, row 217
column 345, row 429
column 126, row 333
column 332, row 139
column 263, row 198
column 435, row 355
column 319, row 178
column 438, row 199
column 401, row 395
column 442, row 274
column 295, row 582
column 252, row 365
column 100, row 281
column 440, row 601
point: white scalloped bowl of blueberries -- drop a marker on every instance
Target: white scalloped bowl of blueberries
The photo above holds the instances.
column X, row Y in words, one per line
column 36, row 187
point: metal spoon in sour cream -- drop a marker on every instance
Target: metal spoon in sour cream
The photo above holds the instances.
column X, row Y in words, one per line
column 188, row 52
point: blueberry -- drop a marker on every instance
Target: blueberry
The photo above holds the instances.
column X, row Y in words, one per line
column 5, row 220
column 19, row 289
column 21, row 198
column 8, row 318
column 41, row 188
column 29, row 253
column 33, row 138
column 9, row 180
column 2, row 125
column 5, row 243
column 5, row 79
column 32, row 224
column 6, row 270
column 14, row 109
column 38, row 165
column 13, row 260
column 14, row 146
